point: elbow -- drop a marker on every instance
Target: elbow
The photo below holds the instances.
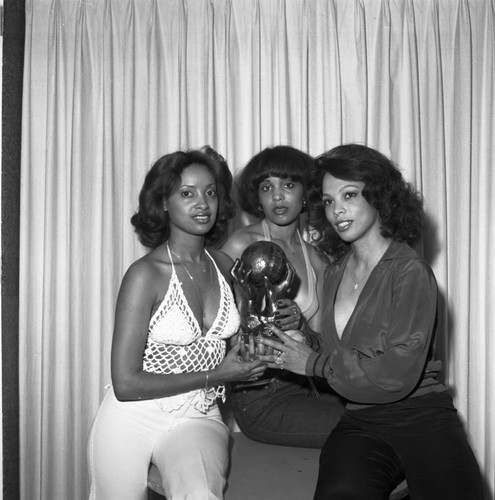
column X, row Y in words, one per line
column 124, row 388
column 122, row 392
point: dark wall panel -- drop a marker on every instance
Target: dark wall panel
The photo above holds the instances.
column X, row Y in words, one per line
column 12, row 70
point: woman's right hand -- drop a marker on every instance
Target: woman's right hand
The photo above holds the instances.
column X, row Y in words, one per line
column 234, row 369
column 291, row 353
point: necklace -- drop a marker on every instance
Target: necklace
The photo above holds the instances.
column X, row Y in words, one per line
column 357, row 283
column 207, row 265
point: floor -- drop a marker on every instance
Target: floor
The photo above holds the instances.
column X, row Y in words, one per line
column 267, row 472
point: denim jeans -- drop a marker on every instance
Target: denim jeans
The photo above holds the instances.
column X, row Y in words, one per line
column 371, row 449
column 287, row 411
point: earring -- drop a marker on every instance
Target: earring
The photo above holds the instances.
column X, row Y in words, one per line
column 304, row 203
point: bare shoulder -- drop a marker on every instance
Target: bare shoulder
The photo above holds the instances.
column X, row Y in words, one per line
column 150, row 273
column 242, row 238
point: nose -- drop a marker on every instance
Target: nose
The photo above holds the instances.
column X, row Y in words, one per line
column 202, row 201
column 337, row 209
column 278, row 194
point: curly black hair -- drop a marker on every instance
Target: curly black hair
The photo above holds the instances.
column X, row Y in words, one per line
column 399, row 205
column 284, row 162
column 151, row 222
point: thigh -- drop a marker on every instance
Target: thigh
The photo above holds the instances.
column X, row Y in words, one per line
column 355, row 464
column 193, row 459
column 437, row 457
column 304, row 418
column 287, row 413
column 119, row 452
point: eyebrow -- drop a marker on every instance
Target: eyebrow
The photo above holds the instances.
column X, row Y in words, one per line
column 345, row 186
column 213, row 184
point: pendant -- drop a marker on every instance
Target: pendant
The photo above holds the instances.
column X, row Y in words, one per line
column 356, row 286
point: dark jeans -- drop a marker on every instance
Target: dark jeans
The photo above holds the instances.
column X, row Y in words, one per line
column 287, row 411
column 370, row 449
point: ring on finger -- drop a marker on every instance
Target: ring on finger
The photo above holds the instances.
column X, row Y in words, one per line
column 278, row 359
column 294, row 310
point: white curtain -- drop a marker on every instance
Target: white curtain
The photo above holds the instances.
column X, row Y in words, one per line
column 111, row 85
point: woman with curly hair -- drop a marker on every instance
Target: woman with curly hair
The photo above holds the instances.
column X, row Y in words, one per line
column 283, row 408
column 377, row 340
column 175, row 311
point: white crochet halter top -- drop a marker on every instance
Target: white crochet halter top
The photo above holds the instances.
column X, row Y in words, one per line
column 176, row 343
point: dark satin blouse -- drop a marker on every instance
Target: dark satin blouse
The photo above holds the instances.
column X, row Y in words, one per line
column 384, row 354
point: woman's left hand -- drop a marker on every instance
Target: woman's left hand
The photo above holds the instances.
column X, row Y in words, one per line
column 287, row 315
column 289, row 354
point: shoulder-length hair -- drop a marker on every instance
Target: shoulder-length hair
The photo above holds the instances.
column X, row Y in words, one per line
column 151, row 223
column 399, row 205
column 284, row 162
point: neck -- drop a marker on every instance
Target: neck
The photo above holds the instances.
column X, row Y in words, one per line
column 285, row 233
column 367, row 253
column 190, row 249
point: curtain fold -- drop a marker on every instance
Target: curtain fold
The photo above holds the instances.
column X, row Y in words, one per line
column 111, row 85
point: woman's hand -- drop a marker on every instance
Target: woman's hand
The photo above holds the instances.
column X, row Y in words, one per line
column 287, row 315
column 234, row 368
column 290, row 354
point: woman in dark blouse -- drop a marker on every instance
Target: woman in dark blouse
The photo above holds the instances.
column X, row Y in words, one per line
column 376, row 347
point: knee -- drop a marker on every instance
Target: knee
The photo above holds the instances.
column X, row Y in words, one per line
column 194, row 488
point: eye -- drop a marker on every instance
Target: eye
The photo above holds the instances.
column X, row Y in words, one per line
column 264, row 188
column 211, row 193
column 186, row 193
column 350, row 194
column 289, row 185
column 327, row 202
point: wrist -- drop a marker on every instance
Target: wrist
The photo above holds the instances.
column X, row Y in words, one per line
column 303, row 325
column 213, row 378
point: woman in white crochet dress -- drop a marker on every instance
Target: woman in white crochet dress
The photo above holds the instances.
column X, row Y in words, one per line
column 174, row 312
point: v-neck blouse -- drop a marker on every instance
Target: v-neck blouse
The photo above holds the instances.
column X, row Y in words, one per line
column 384, row 353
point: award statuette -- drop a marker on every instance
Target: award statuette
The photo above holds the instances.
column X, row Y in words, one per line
column 263, row 275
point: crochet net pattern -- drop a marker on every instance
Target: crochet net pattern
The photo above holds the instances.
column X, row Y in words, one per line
column 176, row 343
column 203, row 354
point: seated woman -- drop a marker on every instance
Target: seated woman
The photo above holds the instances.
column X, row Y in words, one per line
column 379, row 321
column 284, row 408
column 175, row 311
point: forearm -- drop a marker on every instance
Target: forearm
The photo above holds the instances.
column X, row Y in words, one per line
column 351, row 378
column 146, row 385
column 318, row 365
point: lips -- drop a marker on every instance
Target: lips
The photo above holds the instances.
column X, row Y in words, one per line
column 280, row 210
column 202, row 218
column 343, row 225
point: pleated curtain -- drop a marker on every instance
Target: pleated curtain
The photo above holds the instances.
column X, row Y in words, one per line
column 111, row 85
